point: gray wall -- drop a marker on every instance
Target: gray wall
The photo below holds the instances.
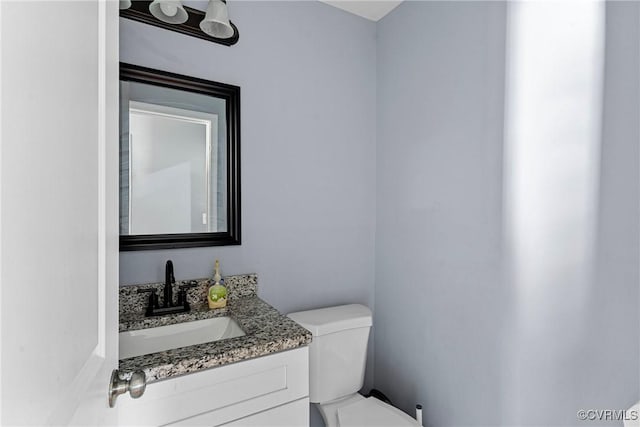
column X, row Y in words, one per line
column 308, row 150
column 605, row 370
column 445, row 333
column 438, row 249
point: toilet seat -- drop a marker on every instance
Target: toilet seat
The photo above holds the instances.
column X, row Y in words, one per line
column 373, row 412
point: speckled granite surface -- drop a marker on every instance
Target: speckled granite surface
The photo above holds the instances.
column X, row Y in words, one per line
column 131, row 302
column 267, row 331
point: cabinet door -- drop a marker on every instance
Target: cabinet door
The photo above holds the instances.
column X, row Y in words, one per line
column 216, row 396
column 294, row 414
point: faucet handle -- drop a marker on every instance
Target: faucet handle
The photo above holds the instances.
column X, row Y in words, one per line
column 182, row 293
column 153, row 298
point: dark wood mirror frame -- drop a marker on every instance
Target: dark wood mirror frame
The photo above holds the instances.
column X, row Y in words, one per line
column 231, row 94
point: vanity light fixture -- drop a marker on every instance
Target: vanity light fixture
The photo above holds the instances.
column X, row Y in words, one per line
column 169, row 11
column 212, row 25
column 216, row 21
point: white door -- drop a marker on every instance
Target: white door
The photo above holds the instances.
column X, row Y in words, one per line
column 58, row 210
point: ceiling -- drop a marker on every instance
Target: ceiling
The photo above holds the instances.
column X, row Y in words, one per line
column 373, row 10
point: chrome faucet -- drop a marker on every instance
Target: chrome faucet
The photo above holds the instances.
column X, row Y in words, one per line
column 168, row 306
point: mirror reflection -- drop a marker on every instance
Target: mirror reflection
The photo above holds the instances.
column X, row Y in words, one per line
column 173, row 162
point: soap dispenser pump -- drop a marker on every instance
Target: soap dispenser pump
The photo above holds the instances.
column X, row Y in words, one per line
column 217, row 295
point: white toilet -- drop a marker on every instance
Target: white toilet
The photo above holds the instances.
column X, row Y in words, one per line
column 337, row 358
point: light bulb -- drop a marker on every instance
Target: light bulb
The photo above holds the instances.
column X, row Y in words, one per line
column 168, row 9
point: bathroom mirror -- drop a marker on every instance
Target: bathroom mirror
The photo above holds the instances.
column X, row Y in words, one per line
column 179, row 161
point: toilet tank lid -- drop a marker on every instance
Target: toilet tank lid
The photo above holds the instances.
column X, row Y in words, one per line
column 333, row 319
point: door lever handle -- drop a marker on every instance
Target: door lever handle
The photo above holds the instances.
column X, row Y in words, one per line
column 135, row 386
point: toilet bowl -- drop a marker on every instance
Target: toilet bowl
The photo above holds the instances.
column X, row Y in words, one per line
column 337, row 359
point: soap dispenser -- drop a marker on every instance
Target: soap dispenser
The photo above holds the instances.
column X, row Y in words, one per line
column 217, row 295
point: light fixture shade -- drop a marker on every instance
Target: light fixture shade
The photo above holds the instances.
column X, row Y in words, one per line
column 169, row 11
column 216, row 21
column 125, row 4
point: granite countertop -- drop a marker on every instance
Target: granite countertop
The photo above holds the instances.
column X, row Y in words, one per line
column 266, row 331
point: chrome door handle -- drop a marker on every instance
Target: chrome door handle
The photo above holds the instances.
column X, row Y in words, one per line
column 135, row 386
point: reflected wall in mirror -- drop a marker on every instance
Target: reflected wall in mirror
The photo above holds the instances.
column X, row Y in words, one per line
column 179, row 161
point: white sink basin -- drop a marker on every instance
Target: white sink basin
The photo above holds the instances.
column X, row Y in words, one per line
column 152, row 340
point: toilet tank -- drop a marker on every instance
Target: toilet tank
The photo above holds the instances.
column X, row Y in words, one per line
column 338, row 351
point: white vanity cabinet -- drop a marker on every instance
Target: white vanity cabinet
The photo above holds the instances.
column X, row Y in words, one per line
column 271, row 390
